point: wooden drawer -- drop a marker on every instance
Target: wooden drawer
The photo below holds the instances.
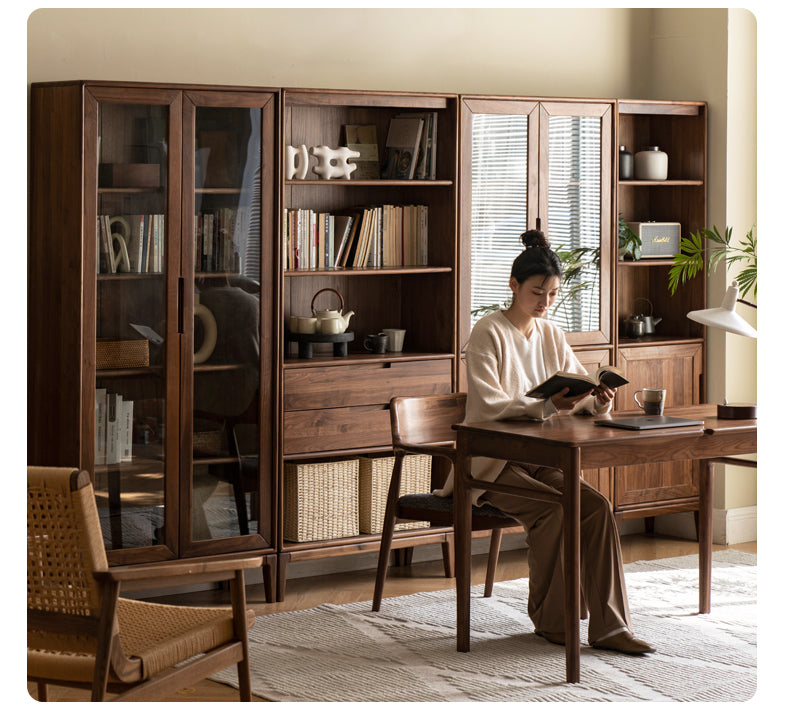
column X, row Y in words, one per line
column 364, row 384
column 339, row 429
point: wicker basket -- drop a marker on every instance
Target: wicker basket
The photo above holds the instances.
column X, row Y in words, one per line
column 374, row 482
column 321, row 500
column 119, row 354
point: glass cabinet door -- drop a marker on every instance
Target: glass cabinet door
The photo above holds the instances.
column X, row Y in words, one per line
column 540, row 165
column 136, row 233
column 223, row 298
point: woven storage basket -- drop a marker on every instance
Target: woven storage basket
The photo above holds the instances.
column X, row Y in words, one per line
column 374, row 482
column 321, row 500
column 117, row 354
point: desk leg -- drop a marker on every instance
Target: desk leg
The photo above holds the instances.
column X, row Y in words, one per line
column 705, row 534
column 571, row 469
column 462, row 526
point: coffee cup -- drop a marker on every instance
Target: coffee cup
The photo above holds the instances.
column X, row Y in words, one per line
column 395, row 339
column 652, row 400
column 306, row 325
column 376, row 343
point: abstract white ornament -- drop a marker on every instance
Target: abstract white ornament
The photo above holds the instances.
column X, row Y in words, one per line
column 341, row 168
column 296, row 162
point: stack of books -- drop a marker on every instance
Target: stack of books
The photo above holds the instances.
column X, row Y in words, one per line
column 410, row 152
column 217, row 237
column 140, row 236
column 114, row 426
column 367, row 237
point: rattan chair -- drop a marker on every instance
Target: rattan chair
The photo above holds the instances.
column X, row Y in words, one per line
column 423, row 425
column 81, row 633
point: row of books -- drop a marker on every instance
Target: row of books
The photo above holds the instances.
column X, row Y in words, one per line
column 218, row 234
column 114, row 426
column 130, row 243
column 368, row 237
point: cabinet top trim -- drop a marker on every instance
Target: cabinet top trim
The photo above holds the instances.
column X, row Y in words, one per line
column 650, row 106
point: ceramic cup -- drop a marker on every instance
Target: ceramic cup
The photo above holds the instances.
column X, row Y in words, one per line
column 376, row 343
column 395, row 339
column 306, row 325
column 652, row 400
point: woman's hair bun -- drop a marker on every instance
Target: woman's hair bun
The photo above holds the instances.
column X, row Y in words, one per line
column 534, row 239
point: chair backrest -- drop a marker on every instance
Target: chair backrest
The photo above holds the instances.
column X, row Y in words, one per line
column 426, row 420
column 64, row 548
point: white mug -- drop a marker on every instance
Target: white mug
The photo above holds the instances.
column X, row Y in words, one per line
column 395, row 339
column 652, row 400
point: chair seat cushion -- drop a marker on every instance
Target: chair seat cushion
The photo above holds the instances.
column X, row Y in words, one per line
column 442, row 507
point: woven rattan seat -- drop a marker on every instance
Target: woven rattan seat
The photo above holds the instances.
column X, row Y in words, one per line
column 82, row 633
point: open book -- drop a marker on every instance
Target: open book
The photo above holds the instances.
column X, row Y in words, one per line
column 578, row 383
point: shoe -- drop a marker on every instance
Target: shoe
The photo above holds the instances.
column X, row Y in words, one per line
column 624, row 642
column 557, row 638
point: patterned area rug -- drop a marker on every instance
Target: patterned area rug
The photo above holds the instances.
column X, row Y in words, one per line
column 406, row 652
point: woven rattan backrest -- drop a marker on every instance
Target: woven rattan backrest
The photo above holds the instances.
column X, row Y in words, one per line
column 64, row 543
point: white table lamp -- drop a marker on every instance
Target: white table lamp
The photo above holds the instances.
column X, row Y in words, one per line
column 727, row 319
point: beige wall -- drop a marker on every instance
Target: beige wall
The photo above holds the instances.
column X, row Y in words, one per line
column 605, row 53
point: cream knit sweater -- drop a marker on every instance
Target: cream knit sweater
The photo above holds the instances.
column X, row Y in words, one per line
column 502, row 365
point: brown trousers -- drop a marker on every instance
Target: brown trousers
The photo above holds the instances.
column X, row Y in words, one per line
column 602, row 579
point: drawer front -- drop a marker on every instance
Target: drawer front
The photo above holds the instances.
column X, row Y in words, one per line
column 364, row 384
column 313, row 430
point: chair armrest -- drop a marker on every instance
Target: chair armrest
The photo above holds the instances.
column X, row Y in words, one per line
column 180, row 572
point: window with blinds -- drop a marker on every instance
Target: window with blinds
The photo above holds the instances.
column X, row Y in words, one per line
column 499, row 212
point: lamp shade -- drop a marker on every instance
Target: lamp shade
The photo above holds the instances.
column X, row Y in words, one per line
column 725, row 317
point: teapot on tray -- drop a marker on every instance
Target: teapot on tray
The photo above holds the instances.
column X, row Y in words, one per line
column 323, row 322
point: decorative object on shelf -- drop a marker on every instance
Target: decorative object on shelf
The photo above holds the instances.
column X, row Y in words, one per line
column 626, row 170
column 296, row 162
column 330, row 322
column 651, row 164
column 690, row 259
column 650, row 321
column 121, row 354
column 333, row 163
column 377, row 344
column 206, row 318
column 306, row 341
column 402, row 148
column 634, row 327
column 658, row 240
column 629, row 244
column 362, row 138
column 396, row 337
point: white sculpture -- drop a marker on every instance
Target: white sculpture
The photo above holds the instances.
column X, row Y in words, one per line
column 340, row 168
column 296, row 162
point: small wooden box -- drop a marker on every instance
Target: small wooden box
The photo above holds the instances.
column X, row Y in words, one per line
column 374, row 483
column 121, row 354
column 129, row 175
column 321, row 500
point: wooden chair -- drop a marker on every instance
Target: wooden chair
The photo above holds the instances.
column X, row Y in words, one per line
column 81, row 633
column 423, row 425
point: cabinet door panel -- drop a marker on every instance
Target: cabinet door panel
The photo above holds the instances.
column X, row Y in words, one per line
column 361, row 384
column 677, row 369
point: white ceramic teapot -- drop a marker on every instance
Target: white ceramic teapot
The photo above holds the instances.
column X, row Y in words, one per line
column 330, row 322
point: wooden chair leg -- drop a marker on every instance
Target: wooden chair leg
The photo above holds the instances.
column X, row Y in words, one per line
column 493, row 559
column 239, row 606
column 42, row 692
column 388, row 529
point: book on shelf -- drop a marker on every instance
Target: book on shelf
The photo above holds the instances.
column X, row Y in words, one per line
column 144, row 238
column 218, row 236
column 402, row 147
column 114, row 428
column 362, row 138
column 425, row 167
column 363, row 237
column 578, row 383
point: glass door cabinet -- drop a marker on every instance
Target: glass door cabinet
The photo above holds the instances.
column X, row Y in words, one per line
column 182, row 415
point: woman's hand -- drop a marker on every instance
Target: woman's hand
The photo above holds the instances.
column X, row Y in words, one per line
column 604, row 395
column 563, row 402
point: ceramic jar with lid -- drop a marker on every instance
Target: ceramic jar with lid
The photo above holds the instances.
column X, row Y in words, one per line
column 626, row 164
column 651, row 164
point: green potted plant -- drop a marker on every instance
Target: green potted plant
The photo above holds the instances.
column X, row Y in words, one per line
column 629, row 244
column 691, row 259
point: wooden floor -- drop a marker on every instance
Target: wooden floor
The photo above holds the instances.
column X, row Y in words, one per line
column 339, row 588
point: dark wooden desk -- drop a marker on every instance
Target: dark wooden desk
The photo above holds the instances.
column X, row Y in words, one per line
column 574, row 443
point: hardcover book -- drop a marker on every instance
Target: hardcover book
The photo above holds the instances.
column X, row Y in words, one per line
column 578, row 383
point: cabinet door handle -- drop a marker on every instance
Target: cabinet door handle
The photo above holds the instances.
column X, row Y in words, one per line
column 180, row 309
